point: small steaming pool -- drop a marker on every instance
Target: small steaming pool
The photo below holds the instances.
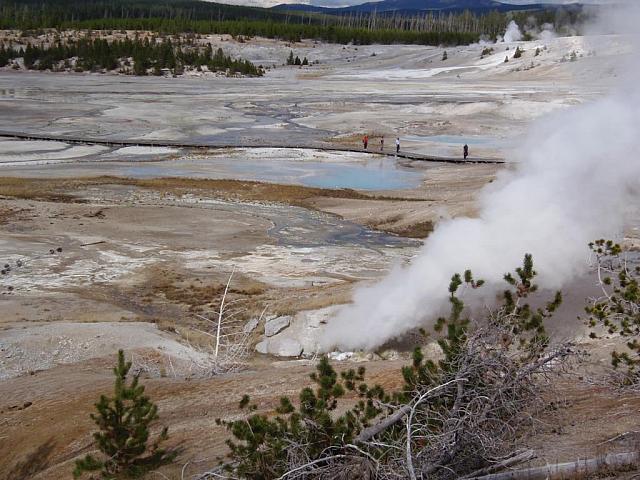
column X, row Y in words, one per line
column 317, row 169
column 374, row 174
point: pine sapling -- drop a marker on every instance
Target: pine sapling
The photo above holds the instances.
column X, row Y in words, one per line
column 123, row 437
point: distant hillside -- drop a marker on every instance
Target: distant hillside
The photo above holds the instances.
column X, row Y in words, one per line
column 413, row 6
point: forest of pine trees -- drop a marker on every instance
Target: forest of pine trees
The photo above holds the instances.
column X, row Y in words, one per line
column 179, row 16
column 134, row 56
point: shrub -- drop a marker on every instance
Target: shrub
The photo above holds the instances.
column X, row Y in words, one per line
column 486, row 51
column 123, row 436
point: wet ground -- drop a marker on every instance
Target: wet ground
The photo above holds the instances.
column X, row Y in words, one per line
column 312, row 168
column 451, row 145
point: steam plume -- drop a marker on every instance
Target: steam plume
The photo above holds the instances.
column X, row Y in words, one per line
column 513, row 33
column 577, row 172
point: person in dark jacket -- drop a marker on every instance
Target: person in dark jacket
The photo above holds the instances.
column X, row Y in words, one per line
column 465, row 151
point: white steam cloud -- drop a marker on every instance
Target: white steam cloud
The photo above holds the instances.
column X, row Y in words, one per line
column 546, row 34
column 513, row 33
column 578, row 172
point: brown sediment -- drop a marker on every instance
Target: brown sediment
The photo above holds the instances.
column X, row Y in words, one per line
column 8, row 214
column 415, row 230
column 60, row 190
column 66, row 190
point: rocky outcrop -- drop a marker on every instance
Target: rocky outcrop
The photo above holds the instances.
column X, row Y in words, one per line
column 292, row 336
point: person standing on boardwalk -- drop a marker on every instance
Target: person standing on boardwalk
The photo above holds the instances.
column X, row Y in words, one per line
column 397, row 144
column 381, row 144
column 465, row 151
column 365, row 141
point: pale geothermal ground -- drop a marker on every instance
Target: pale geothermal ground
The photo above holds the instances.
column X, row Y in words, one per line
column 107, row 247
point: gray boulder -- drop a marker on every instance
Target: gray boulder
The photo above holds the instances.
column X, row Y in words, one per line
column 262, row 347
column 274, row 326
column 284, row 347
column 250, row 326
column 280, row 347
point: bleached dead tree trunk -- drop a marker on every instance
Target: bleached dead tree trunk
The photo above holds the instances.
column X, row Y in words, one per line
column 229, row 346
column 221, row 313
column 568, row 470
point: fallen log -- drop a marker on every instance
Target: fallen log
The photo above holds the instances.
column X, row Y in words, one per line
column 565, row 471
column 516, row 459
column 92, row 243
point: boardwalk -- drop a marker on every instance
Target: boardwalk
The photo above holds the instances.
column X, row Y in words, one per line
column 198, row 145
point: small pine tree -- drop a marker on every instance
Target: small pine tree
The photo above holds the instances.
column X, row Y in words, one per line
column 123, row 435
column 537, row 52
column 297, row 61
column 618, row 311
column 138, row 67
column 264, row 444
column 290, row 58
column 305, row 61
column 444, row 56
column 518, row 53
column 506, row 59
column 486, row 51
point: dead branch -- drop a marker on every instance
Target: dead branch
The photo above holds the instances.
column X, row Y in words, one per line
column 221, row 313
column 622, row 436
column 93, row 243
column 292, row 472
column 368, row 433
